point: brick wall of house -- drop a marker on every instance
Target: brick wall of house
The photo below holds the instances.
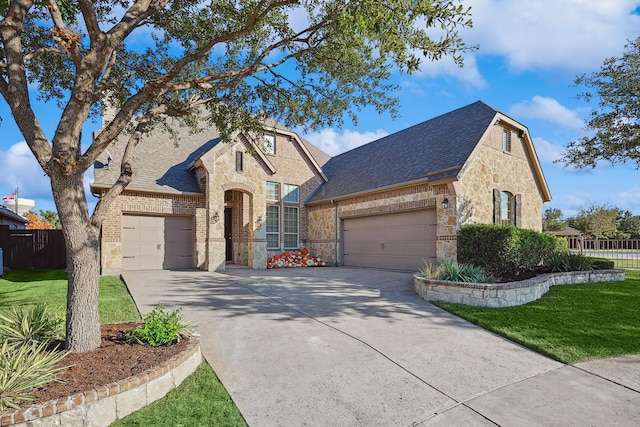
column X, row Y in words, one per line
column 149, row 204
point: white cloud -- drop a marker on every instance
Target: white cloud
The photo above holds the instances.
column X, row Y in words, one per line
column 549, row 110
column 546, row 151
column 469, row 75
column 334, row 143
column 20, row 169
column 573, row 35
column 629, row 200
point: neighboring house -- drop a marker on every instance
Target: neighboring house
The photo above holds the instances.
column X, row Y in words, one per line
column 392, row 203
column 13, row 220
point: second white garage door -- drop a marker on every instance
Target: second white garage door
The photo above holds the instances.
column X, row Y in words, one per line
column 399, row 241
column 157, row 243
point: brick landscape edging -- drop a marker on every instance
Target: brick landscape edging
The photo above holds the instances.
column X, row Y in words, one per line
column 506, row 294
column 104, row 405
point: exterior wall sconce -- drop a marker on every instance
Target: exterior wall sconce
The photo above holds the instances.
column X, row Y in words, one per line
column 259, row 221
column 215, row 218
column 445, row 203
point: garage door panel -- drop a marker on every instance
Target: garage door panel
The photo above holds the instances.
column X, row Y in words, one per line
column 401, row 241
column 155, row 243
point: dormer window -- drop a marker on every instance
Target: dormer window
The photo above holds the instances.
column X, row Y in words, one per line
column 269, row 146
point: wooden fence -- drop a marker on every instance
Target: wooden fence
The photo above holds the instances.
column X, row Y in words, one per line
column 625, row 253
column 32, row 249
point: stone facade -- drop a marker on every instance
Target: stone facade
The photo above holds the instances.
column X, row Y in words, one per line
column 489, row 168
column 506, row 294
column 326, row 218
column 232, row 178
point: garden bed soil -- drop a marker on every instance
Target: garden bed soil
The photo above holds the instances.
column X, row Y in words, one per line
column 114, row 360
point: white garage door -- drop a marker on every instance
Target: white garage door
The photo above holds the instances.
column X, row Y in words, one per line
column 157, row 243
column 399, row 241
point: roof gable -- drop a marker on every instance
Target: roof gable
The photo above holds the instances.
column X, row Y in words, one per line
column 432, row 150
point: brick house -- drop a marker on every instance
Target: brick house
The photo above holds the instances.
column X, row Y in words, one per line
column 392, row 203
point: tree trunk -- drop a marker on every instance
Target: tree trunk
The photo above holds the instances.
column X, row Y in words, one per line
column 83, row 263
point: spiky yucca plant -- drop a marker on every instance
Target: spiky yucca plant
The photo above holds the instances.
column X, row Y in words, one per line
column 30, row 325
column 24, row 367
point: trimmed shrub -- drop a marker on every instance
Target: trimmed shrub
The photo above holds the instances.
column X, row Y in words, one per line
column 505, row 249
column 602, row 263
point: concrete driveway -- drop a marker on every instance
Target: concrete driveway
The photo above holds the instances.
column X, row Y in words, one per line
column 356, row 347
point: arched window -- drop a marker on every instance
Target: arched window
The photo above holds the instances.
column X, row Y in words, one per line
column 507, row 208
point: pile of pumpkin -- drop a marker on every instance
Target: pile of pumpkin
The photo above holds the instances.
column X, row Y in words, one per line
column 295, row 259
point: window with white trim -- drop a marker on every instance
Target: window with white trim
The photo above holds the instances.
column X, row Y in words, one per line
column 269, row 146
column 291, row 193
column 291, row 226
column 273, row 227
column 273, row 191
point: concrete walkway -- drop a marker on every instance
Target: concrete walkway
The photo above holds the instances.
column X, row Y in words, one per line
column 356, row 347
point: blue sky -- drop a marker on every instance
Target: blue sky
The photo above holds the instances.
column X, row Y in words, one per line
column 530, row 52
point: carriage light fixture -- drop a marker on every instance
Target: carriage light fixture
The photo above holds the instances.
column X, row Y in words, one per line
column 215, row 218
column 445, row 203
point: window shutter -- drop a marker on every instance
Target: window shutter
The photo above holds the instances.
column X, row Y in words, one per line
column 518, row 210
column 496, row 206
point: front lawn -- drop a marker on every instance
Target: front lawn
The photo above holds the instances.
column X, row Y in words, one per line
column 571, row 323
column 28, row 288
column 201, row 399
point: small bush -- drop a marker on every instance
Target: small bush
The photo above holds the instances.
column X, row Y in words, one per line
column 580, row 263
column 27, row 326
column 24, row 367
column 161, row 327
column 557, row 261
column 602, row 263
column 452, row 271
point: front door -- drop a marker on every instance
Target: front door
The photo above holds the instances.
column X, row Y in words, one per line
column 228, row 233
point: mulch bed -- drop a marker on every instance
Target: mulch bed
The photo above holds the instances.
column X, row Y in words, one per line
column 114, row 360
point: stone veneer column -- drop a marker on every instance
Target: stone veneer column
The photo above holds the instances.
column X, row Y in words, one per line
column 215, row 235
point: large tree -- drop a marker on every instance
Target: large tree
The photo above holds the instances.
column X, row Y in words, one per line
column 552, row 220
column 614, row 125
column 600, row 221
column 226, row 63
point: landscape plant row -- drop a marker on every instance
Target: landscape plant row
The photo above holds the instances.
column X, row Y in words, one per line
column 491, row 253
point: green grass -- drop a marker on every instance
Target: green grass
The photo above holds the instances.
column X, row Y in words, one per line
column 28, row 288
column 571, row 323
column 201, row 400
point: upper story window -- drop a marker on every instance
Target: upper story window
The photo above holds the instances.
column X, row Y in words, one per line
column 269, row 146
column 273, row 191
column 239, row 161
column 291, row 193
column 506, row 140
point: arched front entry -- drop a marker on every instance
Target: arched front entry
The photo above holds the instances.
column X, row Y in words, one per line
column 237, row 234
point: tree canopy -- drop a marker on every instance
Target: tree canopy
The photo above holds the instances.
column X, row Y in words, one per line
column 552, row 220
column 614, row 125
column 226, row 63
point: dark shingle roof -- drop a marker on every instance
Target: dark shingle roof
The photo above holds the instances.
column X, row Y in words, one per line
column 8, row 213
column 436, row 149
column 160, row 165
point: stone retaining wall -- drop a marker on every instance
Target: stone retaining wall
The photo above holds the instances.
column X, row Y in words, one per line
column 104, row 405
column 506, row 294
